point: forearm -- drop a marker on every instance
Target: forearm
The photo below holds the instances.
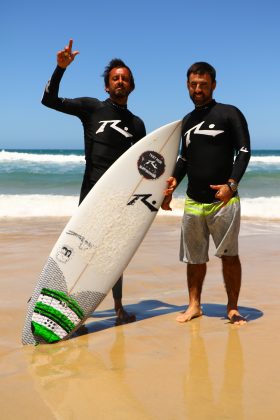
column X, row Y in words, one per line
column 240, row 165
column 241, row 136
column 180, row 170
column 50, row 96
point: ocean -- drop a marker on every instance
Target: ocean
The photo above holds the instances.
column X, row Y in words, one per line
column 43, row 183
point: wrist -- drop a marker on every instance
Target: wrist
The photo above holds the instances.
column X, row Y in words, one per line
column 233, row 185
column 61, row 66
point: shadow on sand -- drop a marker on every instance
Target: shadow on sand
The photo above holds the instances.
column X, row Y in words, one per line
column 216, row 310
column 145, row 309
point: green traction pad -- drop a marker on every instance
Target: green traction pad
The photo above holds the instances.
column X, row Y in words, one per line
column 55, row 315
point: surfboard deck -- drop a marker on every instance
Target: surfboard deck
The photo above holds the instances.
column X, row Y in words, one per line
column 101, row 238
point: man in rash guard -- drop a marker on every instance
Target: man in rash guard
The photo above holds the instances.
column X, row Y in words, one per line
column 109, row 130
column 214, row 156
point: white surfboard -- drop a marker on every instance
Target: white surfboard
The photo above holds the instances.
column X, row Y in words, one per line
column 101, row 238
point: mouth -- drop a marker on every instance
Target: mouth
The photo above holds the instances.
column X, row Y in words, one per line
column 120, row 91
column 198, row 97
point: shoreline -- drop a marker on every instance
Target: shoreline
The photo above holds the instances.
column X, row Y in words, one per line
column 12, row 222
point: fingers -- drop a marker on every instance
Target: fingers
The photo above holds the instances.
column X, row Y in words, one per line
column 171, row 185
column 168, row 191
column 166, row 203
column 172, row 182
column 68, row 48
column 215, row 187
column 223, row 193
column 66, row 56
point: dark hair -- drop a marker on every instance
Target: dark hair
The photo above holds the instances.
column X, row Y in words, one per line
column 201, row 67
column 117, row 63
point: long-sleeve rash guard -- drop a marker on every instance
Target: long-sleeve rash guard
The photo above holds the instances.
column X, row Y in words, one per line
column 109, row 129
column 215, row 148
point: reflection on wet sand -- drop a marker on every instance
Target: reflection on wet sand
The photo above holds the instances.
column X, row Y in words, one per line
column 75, row 377
column 75, row 381
column 202, row 398
column 232, row 389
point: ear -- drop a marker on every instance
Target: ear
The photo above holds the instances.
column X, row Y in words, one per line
column 214, row 84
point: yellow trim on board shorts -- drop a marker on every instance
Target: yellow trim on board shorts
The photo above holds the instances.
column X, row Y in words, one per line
column 205, row 209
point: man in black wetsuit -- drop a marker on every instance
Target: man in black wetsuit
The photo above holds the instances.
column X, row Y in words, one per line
column 214, row 156
column 109, row 130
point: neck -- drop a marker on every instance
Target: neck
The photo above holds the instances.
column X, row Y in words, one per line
column 118, row 104
column 119, row 101
column 205, row 105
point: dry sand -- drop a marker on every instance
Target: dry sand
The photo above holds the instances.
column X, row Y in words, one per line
column 154, row 368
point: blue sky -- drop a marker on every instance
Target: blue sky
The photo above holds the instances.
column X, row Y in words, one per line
column 159, row 40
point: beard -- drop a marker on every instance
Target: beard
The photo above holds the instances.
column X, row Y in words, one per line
column 201, row 99
column 119, row 92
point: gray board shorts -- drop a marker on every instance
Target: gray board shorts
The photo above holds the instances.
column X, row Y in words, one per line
column 200, row 220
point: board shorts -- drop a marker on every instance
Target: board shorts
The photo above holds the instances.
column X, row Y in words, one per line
column 200, row 220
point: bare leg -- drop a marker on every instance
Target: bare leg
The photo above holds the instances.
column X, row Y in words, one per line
column 195, row 277
column 232, row 279
column 123, row 317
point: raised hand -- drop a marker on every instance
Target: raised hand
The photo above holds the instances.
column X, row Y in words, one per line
column 66, row 56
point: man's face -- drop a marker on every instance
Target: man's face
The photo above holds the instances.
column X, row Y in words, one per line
column 119, row 85
column 200, row 88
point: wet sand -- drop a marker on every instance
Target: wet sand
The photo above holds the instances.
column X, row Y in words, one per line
column 154, row 368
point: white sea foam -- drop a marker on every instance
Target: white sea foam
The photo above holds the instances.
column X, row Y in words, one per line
column 13, row 157
column 266, row 208
column 63, row 158
column 35, row 205
column 261, row 207
column 265, row 160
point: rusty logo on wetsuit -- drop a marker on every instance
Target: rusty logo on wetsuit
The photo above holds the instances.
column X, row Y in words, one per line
column 151, row 165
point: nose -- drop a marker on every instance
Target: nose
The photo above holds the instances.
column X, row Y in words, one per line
column 198, row 88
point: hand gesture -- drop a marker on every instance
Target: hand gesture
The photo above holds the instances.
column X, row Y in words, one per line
column 223, row 193
column 66, row 56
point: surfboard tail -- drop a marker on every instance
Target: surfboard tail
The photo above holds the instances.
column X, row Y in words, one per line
column 54, row 315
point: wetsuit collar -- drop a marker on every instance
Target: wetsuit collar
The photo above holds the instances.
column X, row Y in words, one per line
column 206, row 106
column 116, row 105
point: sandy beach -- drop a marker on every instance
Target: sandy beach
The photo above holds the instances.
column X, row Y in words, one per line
column 154, row 368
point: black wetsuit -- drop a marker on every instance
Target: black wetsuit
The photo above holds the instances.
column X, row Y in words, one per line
column 109, row 130
column 215, row 148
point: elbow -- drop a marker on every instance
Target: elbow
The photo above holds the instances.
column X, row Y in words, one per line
column 47, row 101
column 44, row 100
column 249, row 154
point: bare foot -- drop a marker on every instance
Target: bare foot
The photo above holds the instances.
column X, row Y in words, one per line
column 190, row 313
column 235, row 317
column 124, row 317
